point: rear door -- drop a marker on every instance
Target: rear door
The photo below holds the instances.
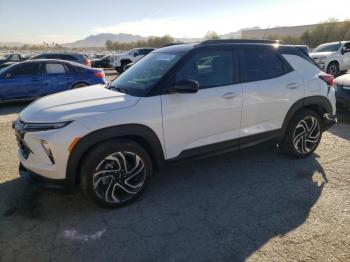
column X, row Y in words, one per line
column 270, row 87
column 59, row 77
column 22, row 81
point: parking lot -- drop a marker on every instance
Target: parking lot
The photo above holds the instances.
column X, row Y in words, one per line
column 256, row 205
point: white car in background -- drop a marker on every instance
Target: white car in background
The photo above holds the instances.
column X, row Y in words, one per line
column 332, row 57
column 120, row 61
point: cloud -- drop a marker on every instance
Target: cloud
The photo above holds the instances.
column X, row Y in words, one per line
column 177, row 27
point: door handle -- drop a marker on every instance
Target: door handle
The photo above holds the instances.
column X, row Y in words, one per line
column 293, row 86
column 229, row 95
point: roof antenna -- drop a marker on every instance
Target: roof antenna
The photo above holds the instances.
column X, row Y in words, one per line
column 267, row 29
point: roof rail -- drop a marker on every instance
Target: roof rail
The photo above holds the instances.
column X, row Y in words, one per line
column 232, row 41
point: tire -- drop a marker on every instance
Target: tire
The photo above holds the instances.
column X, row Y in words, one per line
column 303, row 134
column 333, row 69
column 121, row 186
column 79, row 85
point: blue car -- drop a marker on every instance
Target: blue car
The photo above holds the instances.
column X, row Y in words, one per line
column 31, row 79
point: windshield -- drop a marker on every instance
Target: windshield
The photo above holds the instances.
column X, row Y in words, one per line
column 139, row 79
column 328, row 48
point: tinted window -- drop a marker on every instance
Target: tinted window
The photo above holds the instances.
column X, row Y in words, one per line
column 52, row 68
column 327, row 48
column 210, row 68
column 14, row 58
column 347, row 47
column 69, row 58
column 25, row 69
column 261, row 64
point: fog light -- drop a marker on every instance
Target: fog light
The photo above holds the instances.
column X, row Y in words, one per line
column 47, row 150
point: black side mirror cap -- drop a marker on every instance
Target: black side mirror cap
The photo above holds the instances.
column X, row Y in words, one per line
column 185, row 86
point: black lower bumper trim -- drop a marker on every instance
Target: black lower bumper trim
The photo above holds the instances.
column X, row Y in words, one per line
column 43, row 182
column 328, row 121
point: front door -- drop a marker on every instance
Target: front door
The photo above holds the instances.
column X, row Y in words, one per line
column 211, row 115
column 22, row 81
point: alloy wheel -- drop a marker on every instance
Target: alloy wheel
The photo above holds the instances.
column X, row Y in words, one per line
column 333, row 70
column 119, row 177
column 306, row 135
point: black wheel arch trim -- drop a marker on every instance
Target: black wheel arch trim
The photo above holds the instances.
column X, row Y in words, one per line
column 78, row 83
column 141, row 134
column 322, row 104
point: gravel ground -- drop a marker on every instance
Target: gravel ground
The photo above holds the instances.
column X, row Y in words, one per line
column 256, row 205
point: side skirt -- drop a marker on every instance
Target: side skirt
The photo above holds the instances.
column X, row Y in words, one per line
column 273, row 136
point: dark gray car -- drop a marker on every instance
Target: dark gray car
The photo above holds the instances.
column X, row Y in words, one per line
column 342, row 91
column 73, row 57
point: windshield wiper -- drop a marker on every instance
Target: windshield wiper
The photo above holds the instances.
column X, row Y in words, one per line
column 118, row 89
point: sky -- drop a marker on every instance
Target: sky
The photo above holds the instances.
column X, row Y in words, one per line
column 62, row 21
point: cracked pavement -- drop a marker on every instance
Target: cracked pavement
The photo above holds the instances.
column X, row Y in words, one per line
column 254, row 205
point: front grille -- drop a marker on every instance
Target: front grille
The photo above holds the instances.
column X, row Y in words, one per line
column 18, row 126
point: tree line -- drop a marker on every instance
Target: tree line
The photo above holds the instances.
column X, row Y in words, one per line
column 149, row 42
column 329, row 31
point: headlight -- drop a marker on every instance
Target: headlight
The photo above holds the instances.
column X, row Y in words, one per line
column 34, row 127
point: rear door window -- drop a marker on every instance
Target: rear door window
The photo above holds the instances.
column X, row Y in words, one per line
column 261, row 64
column 55, row 68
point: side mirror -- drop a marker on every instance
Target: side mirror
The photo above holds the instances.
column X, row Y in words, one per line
column 345, row 50
column 185, row 86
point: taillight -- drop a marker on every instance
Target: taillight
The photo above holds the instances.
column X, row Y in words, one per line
column 329, row 79
column 100, row 74
column 87, row 62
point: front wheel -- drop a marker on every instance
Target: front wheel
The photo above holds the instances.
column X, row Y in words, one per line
column 303, row 135
column 116, row 173
column 333, row 69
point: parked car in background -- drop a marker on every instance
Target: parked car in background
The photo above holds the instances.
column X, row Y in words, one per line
column 103, row 62
column 333, row 58
column 12, row 58
column 121, row 60
column 31, row 79
column 343, row 91
column 178, row 102
column 73, row 57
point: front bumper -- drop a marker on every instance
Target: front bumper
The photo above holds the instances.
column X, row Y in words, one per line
column 44, row 182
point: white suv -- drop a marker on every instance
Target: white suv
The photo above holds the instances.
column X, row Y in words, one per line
column 178, row 102
column 120, row 61
column 333, row 57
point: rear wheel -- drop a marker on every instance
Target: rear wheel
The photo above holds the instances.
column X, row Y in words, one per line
column 116, row 172
column 304, row 134
column 79, row 85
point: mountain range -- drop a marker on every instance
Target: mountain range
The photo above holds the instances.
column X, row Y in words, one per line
column 99, row 40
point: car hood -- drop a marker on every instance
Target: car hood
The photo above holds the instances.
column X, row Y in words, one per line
column 320, row 54
column 75, row 104
column 343, row 80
